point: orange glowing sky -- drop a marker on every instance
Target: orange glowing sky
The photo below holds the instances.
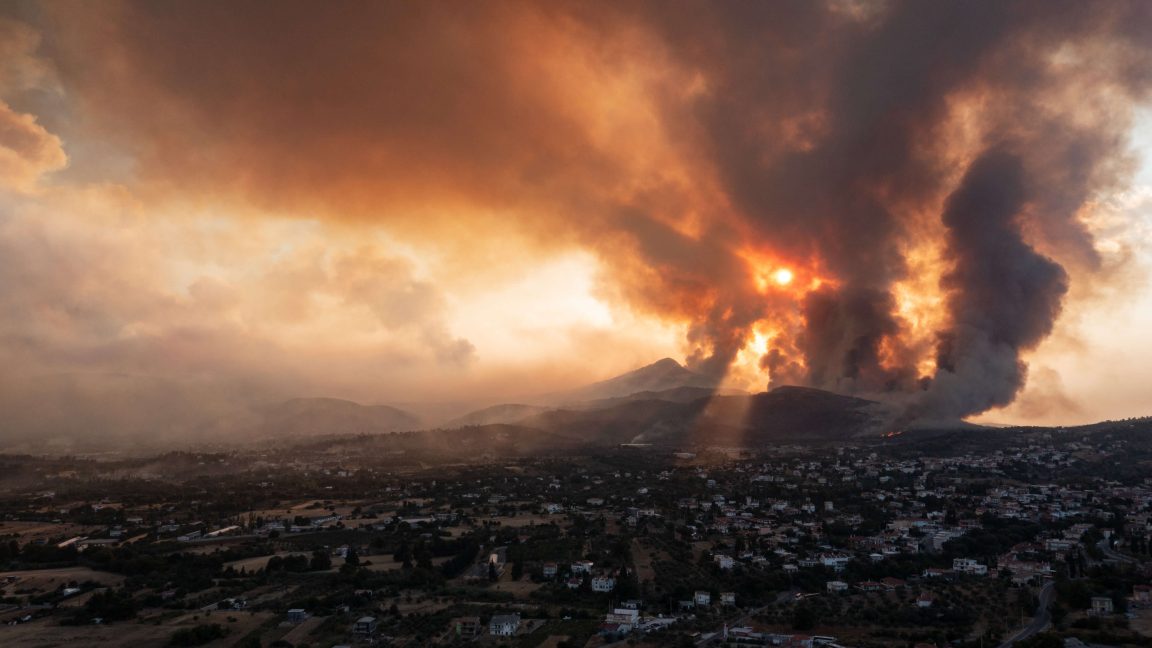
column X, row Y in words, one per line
column 393, row 202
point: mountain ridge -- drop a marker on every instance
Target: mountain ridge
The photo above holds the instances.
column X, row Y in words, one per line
column 662, row 375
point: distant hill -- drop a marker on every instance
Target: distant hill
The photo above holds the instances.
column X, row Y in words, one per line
column 662, row 403
column 659, row 376
column 641, row 421
column 784, row 414
column 674, row 395
column 497, row 414
column 301, row 417
column 465, row 443
column 665, row 380
column 802, row 413
column 516, row 413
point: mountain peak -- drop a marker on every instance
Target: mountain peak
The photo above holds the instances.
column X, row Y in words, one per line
column 661, row 375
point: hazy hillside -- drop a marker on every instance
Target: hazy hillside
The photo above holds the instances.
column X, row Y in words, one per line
column 685, row 394
column 659, row 376
column 323, row 416
column 463, row 443
column 639, row 421
column 496, row 414
column 801, row 413
column 784, row 414
column 515, row 413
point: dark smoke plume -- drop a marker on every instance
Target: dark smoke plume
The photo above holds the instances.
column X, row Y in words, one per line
column 848, row 140
column 1003, row 296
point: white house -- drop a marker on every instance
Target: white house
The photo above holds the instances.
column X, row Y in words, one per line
column 297, row 615
column 1101, row 605
column 969, row 566
column 603, row 584
column 623, row 617
column 837, row 562
column 364, row 627
column 702, row 598
column 504, row 625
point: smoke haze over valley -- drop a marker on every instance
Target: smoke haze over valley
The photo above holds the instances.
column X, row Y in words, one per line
column 243, row 221
column 576, row 323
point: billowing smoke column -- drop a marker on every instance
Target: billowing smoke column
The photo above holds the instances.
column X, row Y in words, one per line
column 857, row 141
column 921, row 169
column 1004, row 296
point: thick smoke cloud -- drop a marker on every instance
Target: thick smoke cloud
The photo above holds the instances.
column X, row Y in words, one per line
column 882, row 94
column 923, row 169
column 1005, row 296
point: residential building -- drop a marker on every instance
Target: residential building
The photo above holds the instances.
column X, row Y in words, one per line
column 365, row 626
column 504, row 625
column 603, row 584
column 297, row 615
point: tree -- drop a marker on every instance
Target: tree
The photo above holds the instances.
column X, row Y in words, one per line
column 403, row 553
column 804, row 618
column 320, row 561
column 198, row 635
column 251, row 641
column 423, row 557
column 109, row 605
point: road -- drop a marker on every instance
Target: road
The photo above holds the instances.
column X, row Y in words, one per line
column 782, row 597
column 1039, row 622
column 1105, row 546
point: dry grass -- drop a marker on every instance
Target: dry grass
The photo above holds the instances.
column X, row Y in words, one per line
column 46, row 633
column 1142, row 622
column 260, row 562
column 30, row 531
column 300, row 632
column 641, row 558
column 50, row 579
column 529, row 520
column 521, row 589
column 384, row 562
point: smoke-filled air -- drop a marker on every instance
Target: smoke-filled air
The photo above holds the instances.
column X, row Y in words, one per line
column 206, row 206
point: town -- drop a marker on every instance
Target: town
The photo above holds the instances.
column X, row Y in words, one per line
column 1033, row 535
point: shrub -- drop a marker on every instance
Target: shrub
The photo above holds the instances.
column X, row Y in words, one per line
column 198, row 635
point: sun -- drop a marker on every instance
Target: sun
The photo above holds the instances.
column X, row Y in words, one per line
column 783, row 276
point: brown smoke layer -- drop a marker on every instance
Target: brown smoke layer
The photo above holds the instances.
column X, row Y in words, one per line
column 922, row 170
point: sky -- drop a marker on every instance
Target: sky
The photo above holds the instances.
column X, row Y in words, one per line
column 209, row 205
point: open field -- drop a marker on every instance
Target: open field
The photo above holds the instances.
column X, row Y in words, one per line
column 300, row 632
column 50, row 579
column 521, row 589
column 46, row 531
column 260, row 562
column 641, row 558
column 46, row 633
column 528, row 519
column 1141, row 622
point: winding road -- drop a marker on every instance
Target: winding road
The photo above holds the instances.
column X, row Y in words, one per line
column 1105, row 546
column 744, row 617
column 1039, row 622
